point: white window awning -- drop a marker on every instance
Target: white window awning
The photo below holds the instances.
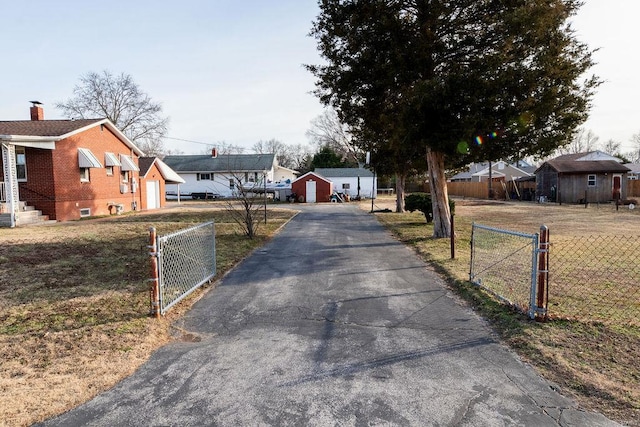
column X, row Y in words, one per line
column 87, row 159
column 111, row 159
column 127, row 163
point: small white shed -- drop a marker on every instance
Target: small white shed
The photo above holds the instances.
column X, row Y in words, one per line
column 352, row 181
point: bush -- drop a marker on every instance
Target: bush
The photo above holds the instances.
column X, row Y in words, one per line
column 422, row 202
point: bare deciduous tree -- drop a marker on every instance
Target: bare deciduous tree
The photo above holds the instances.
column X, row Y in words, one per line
column 119, row 99
column 611, row 147
column 247, row 207
column 583, row 142
column 272, row 146
column 289, row 156
column 634, row 154
column 300, row 158
column 327, row 131
column 224, row 148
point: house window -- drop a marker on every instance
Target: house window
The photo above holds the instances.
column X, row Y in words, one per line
column 591, row 180
column 109, row 170
column 246, row 177
column 346, row 186
column 21, row 164
column 84, row 174
column 232, row 184
column 205, row 177
column 124, row 175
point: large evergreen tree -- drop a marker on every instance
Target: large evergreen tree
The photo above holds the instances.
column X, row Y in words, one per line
column 455, row 80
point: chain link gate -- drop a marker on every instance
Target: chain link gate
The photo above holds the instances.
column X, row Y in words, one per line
column 181, row 262
column 512, row 266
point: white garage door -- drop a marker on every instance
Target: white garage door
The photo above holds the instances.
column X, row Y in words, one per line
column 153, row 194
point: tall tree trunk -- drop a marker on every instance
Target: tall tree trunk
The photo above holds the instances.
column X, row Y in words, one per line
column 401, row 179
column 439, row 194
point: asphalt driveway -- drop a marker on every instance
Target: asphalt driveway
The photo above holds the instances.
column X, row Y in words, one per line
column 332, row 323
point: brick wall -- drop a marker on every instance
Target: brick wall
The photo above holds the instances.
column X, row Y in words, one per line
column 53, row 177
column 39, row 188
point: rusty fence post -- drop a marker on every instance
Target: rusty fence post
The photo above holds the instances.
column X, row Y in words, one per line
column 543, row 275
column 154, row 289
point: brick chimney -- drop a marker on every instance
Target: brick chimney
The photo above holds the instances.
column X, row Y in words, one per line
column 37, row 112
column 214, row 152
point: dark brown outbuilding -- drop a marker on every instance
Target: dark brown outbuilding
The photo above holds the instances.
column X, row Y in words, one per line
column 566, row 180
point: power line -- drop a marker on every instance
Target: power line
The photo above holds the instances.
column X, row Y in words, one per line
column 188, row 140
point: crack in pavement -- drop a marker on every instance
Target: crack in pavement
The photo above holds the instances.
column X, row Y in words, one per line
column 358, row 367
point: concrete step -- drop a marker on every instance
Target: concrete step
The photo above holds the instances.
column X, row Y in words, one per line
column 24, row 218
column 5, row 220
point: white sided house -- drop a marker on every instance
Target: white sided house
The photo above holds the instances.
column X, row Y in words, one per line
column 212, row 176
column 499, row 171
column 352, row 181
column 282, row 174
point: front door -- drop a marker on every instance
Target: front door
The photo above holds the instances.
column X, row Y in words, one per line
column 311, row 191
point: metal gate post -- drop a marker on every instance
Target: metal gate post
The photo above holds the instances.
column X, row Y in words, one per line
column 543, row 275
column 154, row 290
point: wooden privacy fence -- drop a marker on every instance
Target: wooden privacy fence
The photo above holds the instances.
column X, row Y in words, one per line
column 477, row 190
column 633, row 188
column 480, row 190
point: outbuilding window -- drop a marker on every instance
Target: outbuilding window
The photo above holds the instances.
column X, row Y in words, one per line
column 346, row 186
column 591, row 180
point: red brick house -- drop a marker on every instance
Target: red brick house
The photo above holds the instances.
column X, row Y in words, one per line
column 69, row 169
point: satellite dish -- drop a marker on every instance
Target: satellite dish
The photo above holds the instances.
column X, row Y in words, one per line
column 632, row 206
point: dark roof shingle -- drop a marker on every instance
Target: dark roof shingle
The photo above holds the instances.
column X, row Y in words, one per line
column 222, row 163
column 52, row 128
column 344, row 172
column 587, row 166
column 144, row 164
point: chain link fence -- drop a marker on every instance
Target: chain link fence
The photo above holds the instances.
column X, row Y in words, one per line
column 505, row 264
column 181, row 262
column 587, row 278
column 595, row 278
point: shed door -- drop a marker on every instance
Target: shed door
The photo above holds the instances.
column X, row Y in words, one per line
column 617, row 184
column 311, row 191
column 153, row 194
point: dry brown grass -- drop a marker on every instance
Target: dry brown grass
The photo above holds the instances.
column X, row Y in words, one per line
column 69, row 331
column 596, row 363
column 74, row 304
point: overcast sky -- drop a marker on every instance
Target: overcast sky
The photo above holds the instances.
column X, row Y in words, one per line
column 229, row 70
